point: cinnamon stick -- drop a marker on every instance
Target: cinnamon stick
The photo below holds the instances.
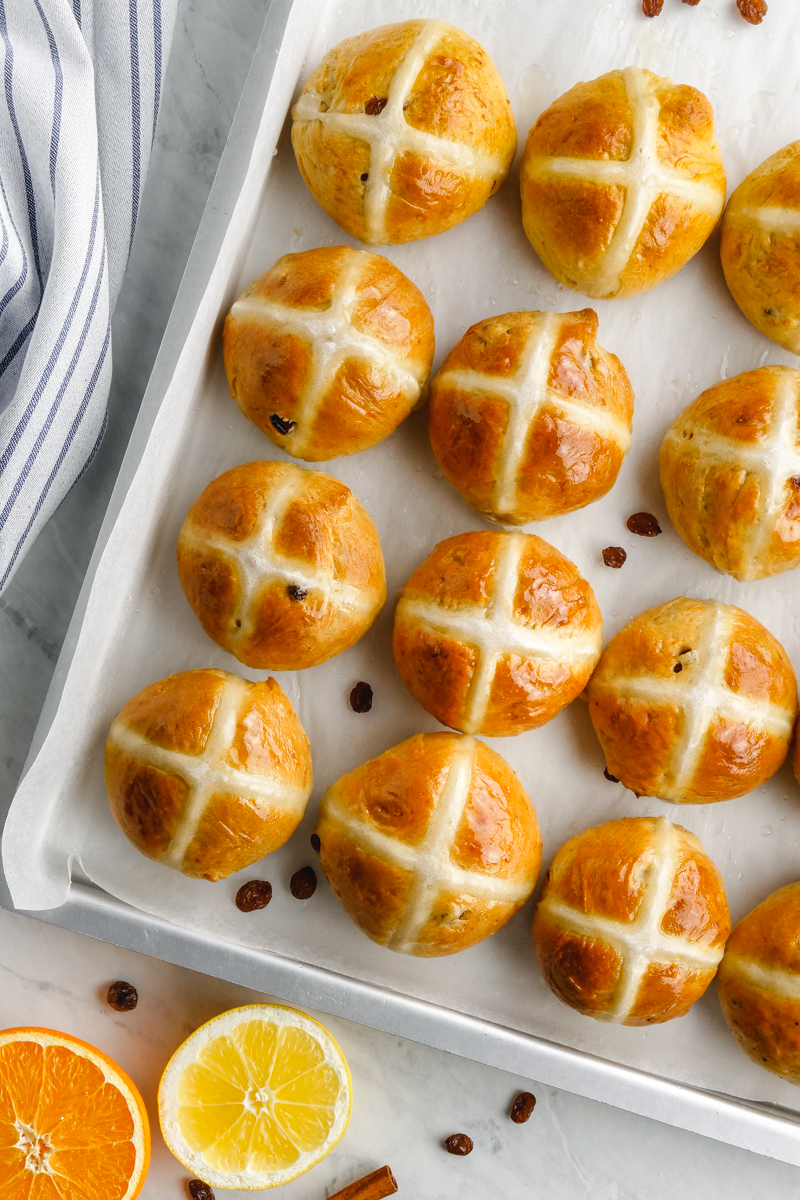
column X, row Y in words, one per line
column 372, row 1187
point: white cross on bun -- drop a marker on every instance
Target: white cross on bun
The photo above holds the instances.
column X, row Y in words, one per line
column 403, row 131
column 632, row 921
column 693, row 701
column 759, row 983
column 622, row 182
column 282, row 566
column 730, row 470
column 432, row 846
column 207, row 772
column 495, row 632
column 327, row 352
column 760, row 247
column 529, row 418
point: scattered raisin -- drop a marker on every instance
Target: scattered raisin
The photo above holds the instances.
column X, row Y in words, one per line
column 375, row 105
column 795, row 481
column 122, row 996
column 522, row 1108
column 753, row 11
column 614, row 556
column 652, row 8
column 678, row 668
column 458, row 1143
column 361, row 698
column 303, row 883
column 297, row 593
column 611, row 778
column 644, row 524
column 255, row 894
column 316, row 844
column 692, row 2
column 365, row 177
column 199, row 1190
column 282, row 424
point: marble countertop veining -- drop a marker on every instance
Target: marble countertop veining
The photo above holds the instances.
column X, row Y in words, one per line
column 407, row 1097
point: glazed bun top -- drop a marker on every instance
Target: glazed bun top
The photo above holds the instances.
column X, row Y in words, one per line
column 730, row 470
column 326, row 353
column 622, row 182
column 403, row 131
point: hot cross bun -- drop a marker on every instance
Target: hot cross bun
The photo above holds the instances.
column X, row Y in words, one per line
column 432, row 846
column 730, row 470
column 693, row 701
column 282, row 566
column 403, row 131
column 495, row 632
column 622, row 182
column 328, row 351
column 760, row 247
column 530, row 418
column 759, row 983
column 207, row 772
column 632, row 921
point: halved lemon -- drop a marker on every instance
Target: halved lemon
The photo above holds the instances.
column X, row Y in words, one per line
column 72, row 1124
column 255, row 1097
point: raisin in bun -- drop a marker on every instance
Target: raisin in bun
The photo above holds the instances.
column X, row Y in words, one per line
column 730, row 470
column 530, row 418
column 760, row 247
column 495, row 632
column 693, row 701
column 207, row 772
column 622, row 182
column 282, row 566
column 432, row 846
column 403, row 131
column 328, row 351
column 632, row 921
column 759, row 983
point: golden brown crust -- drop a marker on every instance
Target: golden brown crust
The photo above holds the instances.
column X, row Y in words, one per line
column 207, row 772
column 530, row 418
column 760, row 247
column 730, row 470
column 759, row 983
column 632, row 921
column 432, row 846
column 365, row 123
column 622, row 182
column 332, row 346
column 693, row 701
column 495, row 632
column 282, row 566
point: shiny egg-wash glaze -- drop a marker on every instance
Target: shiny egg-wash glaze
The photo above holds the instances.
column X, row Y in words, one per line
column 622, row 182
column 207, row 772
column 432, row 846
column 759, row 983
column 730, row 470
column 495, row 632
column 327, row 352
column 760, row 247
column 403, row 131
column 282, row 566
column 632, row 921
column 693, row 701
column 530, row 418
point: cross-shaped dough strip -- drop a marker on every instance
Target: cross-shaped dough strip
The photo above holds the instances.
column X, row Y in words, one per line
column 772, row 218
column 771, row 979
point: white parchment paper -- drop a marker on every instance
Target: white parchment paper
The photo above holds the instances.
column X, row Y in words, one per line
column 675, row 341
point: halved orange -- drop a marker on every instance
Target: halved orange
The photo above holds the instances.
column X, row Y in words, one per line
column 72, row 1124
column 255, row 1097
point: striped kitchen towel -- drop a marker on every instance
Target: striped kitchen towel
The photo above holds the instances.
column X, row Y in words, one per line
column 81, row 82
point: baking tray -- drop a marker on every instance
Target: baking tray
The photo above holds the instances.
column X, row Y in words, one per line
column 131, row 624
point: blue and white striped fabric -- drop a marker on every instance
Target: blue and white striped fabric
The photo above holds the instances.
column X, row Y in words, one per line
column 79, row 96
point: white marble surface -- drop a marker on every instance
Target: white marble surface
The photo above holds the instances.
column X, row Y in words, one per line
column 407, row 1098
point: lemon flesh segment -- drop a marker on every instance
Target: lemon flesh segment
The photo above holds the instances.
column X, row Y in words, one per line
column 259, row 1098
